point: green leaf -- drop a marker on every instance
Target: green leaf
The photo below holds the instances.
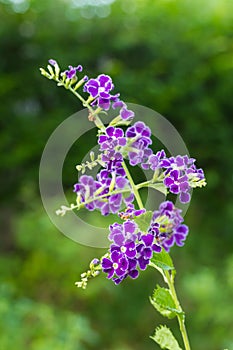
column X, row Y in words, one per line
column 162, row 260
column 159, row 187
column 163, row 303
column 166, row 340
column 143, row 221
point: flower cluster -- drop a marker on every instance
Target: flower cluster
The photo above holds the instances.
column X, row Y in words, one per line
column 71, row 72
column 132, row 243
column 180, row 173
column 132, row 249
column 167, row 226
column 111, row 143
column 105, row 193
column 139, row 139
column 100, row 89
column 129, row 251
column 134, row 144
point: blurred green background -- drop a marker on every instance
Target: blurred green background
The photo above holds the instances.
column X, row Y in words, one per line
column 175, row 57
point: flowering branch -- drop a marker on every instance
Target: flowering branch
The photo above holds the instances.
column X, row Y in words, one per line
column 144, row 238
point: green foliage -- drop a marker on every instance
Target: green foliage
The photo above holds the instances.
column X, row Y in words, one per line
column 164, row 337
column 143, row 221
column 210, row 292
column 163, row 302
column 27, row 324
column 159, row 187
column 163, row 260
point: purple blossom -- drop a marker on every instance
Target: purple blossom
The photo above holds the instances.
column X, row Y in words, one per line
column 117, row 264
column 113, row 170
column 111, row 144
column 118, row 104
column 129, row 251
column 154, row 161
column 132, row 272
column 99, row 194
column 181, row 175
column 139, row 139
column 167, row 226
column 145, row 250
column 122, row 233
column 113, row 163
column 125, row 113
column 113, row 137
column 71, row 73
column 86, row 188
column 99, row 89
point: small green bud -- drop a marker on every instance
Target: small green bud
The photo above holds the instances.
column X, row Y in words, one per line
column 50, row 69
column 92, row 156
column 44, row 73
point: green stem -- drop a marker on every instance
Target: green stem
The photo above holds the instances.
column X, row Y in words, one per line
column 134, row 187
column 71, row 89
column 181, row 317
column 147, row 183
column 81, row 205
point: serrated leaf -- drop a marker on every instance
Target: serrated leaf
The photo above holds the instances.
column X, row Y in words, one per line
column 159, row 187
column 143, row 221
column 163, row 302
column 166, row 340
column 162, row 260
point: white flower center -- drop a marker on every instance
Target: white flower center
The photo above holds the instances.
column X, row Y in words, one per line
column 115, row 266
column 123, row 249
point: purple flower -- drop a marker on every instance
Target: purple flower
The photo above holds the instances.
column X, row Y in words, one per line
column 86, row 188
column 114, row 164
column 101, row 86
column 99, row 194
column 129, row 251
column 181, row 175
column 113, row 137
column 71, row 73
column 145, row 250
column 117, row 264
column 167, row 227
column 99, row 89
column 118, row 104
column 139, row 139
column 111, row 145
column 154, row 161
column 132, row 251
column 125, row 113
column 132, row 272
column 123, row 233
